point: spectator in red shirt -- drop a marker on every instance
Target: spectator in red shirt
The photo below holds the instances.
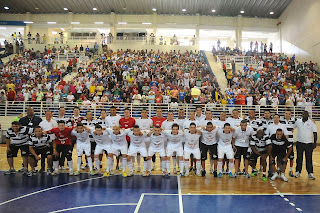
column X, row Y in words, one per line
column 11, row 96
column 241, row 99
column 62, row 146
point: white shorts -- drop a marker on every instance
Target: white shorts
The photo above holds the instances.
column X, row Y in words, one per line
column 225, row 150
column 83, row 147
column 147, row 141
column 196, row 153
column 117, row 149
column 171, row 150
column 134, row 150
column 99, row 149
column 162, row 152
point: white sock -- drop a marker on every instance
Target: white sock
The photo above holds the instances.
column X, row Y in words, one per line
column 90, row 163
column 181, row 166
column 145, row 165
column 168, row 166
column 163, row 165
column 124, row 164
column 130, row 166
column 79, row 163
column 56, row 165
column 290, row 169
column 198, row 165
column 211, row 163
column 186, row 166
column 220, row 166
column 174, row 162
column 139, row 160
column 133, row 159
column 70, row 164
column 97, row 162
column 149, row 165
column 230, row 166
column 109, row 164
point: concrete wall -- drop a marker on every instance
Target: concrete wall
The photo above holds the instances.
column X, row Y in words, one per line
column 300, row 30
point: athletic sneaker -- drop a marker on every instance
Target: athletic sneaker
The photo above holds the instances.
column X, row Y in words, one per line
column 117, row 168
column 186, row 174
column 231, row 175
column 181, row 174
column 106, row 174
column 220, row 175
column 25, row 172
column 178, row 169
column 190, row 168
column 71, row 173
column 130, row 174
column 174, row 171
column 10, row 171
column 22, row 169
column 297, row 174
column 144, row 174
column 235, row 174
column 264, row 178
column 310, row 176
column 274, row 176
column 49, row 171
column 254, row 172
column 124, row 174
column 148, row 173
column 31, row 173
column 211, row 170
column 164, row 173
column 62, row 168
column 168, row 174
column 203, row 173
column 36, row 169
column 139, row 169
column 247, row 175
column 42, row 169
column 154, row 167
column 215, row 173
column 55, row 172
column 283, row 177
column 291, row 173
column 76, row 173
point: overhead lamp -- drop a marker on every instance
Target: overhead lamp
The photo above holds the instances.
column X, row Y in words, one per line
column 122, row 22
column 154, row 9
column 98, row 22
column 28, row 22
column 213, row 10
column 75, row 22
column 51, row 22
column 6, row 7
column 94, row 8
column 62, row 29
column 271, row 13
column 184, row 10
column 54, row 33
column 242, row 11
column 3, row 28
column 146, row 23
column 65, row 8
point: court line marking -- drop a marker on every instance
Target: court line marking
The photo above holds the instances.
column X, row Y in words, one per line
column 139, row 203
column 47, row 189
column 98, row 205
column 180, row 195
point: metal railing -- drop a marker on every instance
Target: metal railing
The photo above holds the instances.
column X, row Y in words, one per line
column 237, row 59
column 15, row 108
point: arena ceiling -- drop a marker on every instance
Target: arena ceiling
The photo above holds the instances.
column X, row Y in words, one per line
column 250, row 8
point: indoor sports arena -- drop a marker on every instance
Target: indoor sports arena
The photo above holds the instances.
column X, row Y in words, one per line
column 159, row 106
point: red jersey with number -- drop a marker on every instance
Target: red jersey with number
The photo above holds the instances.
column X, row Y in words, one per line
column 127, row 123
column 62, row 137
column 75, row 120
column 158, row 121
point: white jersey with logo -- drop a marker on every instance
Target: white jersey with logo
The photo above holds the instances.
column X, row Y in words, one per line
column 181, row 122
column 103, row 139
column 223, row 138
column 220, row 123
column 242, row 138
column 82, row 137
column 144, row 123
column 187, row 123
column 204, row 122
column 167, row 125
column 157, row 141
column 234, row 122
column 174, row 141
column 209, row 138
column 118, row 140
column 191, row 140
column 137, row 141
column 113, row 120
column 272, row 129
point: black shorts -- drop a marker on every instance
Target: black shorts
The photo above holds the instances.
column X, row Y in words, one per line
column 213, row 151
column 253, row 156
column 14, row 150
column 241, row 151
column 278, row 151
column 44, row 152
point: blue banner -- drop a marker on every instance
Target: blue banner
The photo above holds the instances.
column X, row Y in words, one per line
column 16, row 23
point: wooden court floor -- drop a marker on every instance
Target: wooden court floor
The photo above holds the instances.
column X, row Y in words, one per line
column 225, row 185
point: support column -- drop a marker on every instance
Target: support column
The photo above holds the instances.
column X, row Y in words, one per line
column 239, row 33
column 113, row 27
column 197, row 31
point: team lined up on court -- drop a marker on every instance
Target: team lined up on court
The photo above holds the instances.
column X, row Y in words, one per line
column 184, row 142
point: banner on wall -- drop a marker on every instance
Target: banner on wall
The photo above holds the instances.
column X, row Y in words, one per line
column 14, row 23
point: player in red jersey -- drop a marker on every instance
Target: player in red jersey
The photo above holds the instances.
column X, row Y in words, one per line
column 157, row 121
column 62, row 146
column 127, row 122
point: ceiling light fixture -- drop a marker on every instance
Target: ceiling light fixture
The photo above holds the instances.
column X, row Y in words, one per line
column 28, row 22
column 271, row 13
column 62, row 29
column 242, row 11
column 98, row 22
column 36, row 8
column 75, row 22
column 184, row 10
column 65, row 8
column 146, row 23
column 213, row 10
column 94, row 8
column 154, row 9
column 51, row 22
column 3, row 28
column 122, row 22
column 54, row 33
column 6, row 8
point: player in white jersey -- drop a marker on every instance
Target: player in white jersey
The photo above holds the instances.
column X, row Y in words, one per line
column 137, row 145
column 119, row 144
column 191, row 146
column 167, row 124
column 113, row 118
column 174, row 145
column 181, row 118
column 241, row 140
column 222, row 120
column 144, row 123
column 157, row 145
column 199, row 116
column 190, row 120
column 225, row 136
column 209, row 143
column 102, row 120
column 235, row 120
column 104, row 143
column 83, row 145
